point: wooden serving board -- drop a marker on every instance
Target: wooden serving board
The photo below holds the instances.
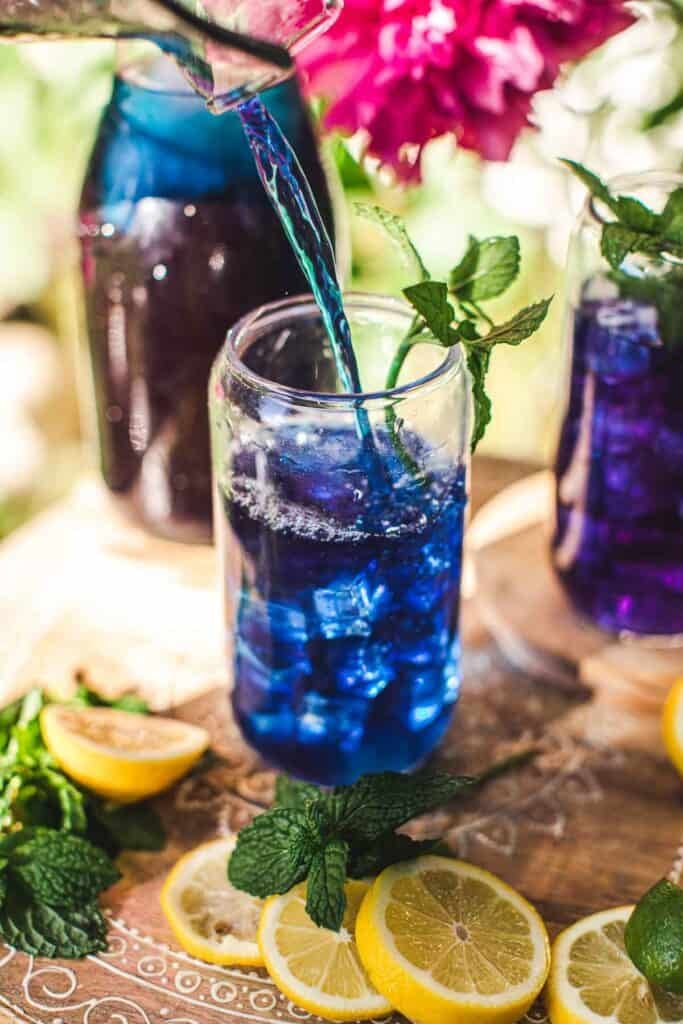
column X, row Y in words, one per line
column 590, row 824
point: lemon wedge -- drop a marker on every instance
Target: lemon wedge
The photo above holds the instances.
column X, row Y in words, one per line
column 672, row 723
column 593, row 980
column 448, row 943
column 210, row 919
column 318, row 969
column 118, row 754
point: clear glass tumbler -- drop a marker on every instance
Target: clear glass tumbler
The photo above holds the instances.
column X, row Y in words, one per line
column 618, row 544
column 339, row 521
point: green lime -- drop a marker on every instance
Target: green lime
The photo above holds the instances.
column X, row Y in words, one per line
column 654, row 936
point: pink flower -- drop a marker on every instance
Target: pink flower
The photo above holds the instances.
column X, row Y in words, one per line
column 408, row 71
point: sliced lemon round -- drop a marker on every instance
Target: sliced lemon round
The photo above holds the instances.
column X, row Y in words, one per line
column 209, row 917
column 593, row 980
column 449, row 943
column 118, row 754
column 318, row 969
column 672, row 723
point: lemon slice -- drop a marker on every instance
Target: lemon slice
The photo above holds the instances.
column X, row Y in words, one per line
column 672, row 723
column 119, row 754
column 593, row 981
column 448, row 943
column 210, row 919
column 318, row 969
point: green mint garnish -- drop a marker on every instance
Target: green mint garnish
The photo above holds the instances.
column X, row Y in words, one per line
column 56, row 839
column 327, row 837
column 637, row 229
column 487, row 269
column 117, row 827
column 49, row 886
column 450, row 313
column 396, row 230
column 291, row 792
column 654, row 936
column 84, row 697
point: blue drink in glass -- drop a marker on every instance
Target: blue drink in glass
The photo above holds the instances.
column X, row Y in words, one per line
column 341, row 558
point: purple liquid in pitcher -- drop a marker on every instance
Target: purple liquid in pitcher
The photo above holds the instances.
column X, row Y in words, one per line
column 178, row 242
column 618, row 546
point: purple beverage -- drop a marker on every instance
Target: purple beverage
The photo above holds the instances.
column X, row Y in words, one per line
column 618, row 545
column 178, row 240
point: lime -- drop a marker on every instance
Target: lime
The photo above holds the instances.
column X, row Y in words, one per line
column 654, row 936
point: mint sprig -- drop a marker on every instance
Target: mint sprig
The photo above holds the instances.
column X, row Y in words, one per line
column 56, row 838
column 326, row 837
column 450, row 313
column 49, row 885
column 637, row 229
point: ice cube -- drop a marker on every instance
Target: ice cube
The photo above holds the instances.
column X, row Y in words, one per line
column 271, row 724
column 260, row 619
column 262, row 677
column 621, row 338
column 427, row 693
column 332, row 721
column 350, row 604
column 364, row 668
column 424, row 639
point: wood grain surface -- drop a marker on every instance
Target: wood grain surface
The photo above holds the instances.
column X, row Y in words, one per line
column 592, row 823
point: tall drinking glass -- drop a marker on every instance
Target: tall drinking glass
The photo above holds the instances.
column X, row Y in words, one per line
column 340, row 554
column 618, row 544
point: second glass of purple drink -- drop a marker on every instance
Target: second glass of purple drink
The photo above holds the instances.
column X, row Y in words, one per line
column 618, row 544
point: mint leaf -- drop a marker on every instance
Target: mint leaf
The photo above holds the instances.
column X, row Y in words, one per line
column 396, row 230
column 60, row 869
column 274, row 852
column 325, row 898
column 391, row 848
column 351, row 172
column 593, row 183
column 84, row 697
column 617, row 242
column 125, row 827
column 654, row 936
column 9, row 716
column 672, row 217
column 478, row 359
column 377, row 804
column 49, row 884
column 430, row 300
column 520, row 327
column 41, row 930
column 629, row 210
column 636, row 215
column 487, row 269
column 291, row 792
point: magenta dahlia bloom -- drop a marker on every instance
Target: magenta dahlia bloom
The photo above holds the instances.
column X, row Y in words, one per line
column 408, row 71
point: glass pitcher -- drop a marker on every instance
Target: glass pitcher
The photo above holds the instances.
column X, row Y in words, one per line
column 229, row 49
column 178, row 242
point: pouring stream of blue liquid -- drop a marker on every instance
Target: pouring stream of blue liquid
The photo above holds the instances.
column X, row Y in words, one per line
column 285, row 182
